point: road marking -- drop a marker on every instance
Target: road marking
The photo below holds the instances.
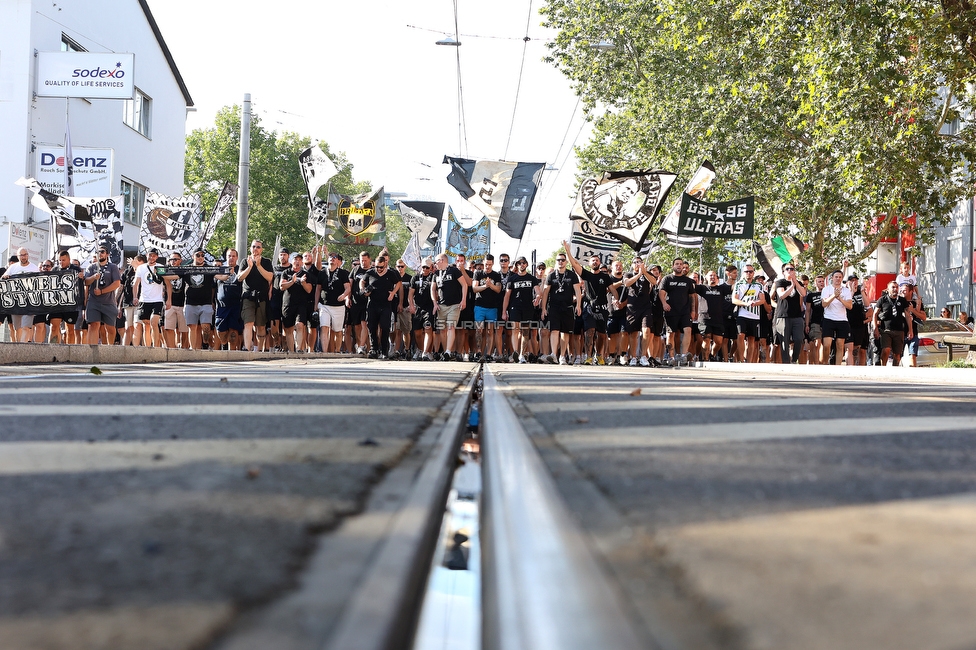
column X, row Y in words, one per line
column 607, row 437
column 18, row 458
column 129, row 409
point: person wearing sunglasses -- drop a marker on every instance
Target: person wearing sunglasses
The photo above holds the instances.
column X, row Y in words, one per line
column 518, row 306
column 420, row 304
column 788, row 317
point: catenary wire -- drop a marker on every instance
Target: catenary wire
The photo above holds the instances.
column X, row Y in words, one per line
column 518, row 87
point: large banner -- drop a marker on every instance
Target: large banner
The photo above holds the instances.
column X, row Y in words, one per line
column 587, row 240
column 623, row 204
column 171, row 224
column 725, row 220
column 92, row 75
column 91, row 170
column 33, row 239
column 358, row 220
column 503, row 191
column 424, row 219
column 48, row 292
column 221, row 207
column 317, row 169
column 81, row 234
column 697, row 186
column 473, row 242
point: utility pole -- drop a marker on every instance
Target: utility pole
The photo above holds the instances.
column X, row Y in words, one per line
column 243, row 174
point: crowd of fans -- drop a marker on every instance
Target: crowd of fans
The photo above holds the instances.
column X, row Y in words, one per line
column 471, row 310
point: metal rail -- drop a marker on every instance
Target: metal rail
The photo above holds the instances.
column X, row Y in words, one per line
column 543, row 589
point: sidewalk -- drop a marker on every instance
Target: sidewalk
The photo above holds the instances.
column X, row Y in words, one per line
column 34, row 353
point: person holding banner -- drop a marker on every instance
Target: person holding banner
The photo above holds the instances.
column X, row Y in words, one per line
column 23, row 324
column 69, row 318
column 102, row 279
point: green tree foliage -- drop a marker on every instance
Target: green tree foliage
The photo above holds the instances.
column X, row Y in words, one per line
column 829, row 112
column 277, row 201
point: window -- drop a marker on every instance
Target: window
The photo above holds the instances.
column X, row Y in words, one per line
column 133, row 200
column 955, row 252
column 928, row 258
column 68, row 45
column 137, row 113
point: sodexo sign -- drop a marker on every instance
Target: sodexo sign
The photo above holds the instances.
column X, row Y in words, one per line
column 92, row 75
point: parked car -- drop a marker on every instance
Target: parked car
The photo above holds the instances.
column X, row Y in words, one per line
column 931, row 349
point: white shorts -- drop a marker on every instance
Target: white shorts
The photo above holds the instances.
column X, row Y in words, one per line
column 332, row 316
column 130, row 316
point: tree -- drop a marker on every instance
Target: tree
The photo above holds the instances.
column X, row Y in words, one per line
column 277, row 200
column 830, row 113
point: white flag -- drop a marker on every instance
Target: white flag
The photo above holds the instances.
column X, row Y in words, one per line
column 317, row 169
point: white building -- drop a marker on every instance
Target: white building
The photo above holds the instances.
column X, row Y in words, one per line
column 143, row 138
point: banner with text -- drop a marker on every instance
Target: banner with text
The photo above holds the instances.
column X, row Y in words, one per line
column 725, row 220
column 623, row 204
column 357, row 220
column 91, row 75
column 48, row 292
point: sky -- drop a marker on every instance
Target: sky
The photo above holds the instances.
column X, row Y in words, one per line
column 367, row 78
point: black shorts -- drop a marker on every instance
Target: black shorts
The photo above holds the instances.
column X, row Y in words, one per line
column 356, row 314
column 423, row 320
column 747, row 326
column 523, row 316
column 147, row 309
column 677, row 321
column 639, row 319
column 859, row 336
column 562, row 319
column 617, row 323
column 594, row 319
column 274, row 307
column 70, row 317
column 835, row 329
column 711, row 330
column 294, row 313
column 731, row 330
column 578, row 325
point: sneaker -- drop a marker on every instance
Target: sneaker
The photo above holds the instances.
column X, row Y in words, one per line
column 578, row 361
column 489, row 358
column 522, row 359
column 644, row 362
column 382, row 357
column 562, row 361
column 372, row 355
column 622, row 359
column 600, row 361
column 588, row 361
column 467, row 357
column 427, row 357
column 447, row 356
column 654, row 362
column 633, row 362
column 532, row 358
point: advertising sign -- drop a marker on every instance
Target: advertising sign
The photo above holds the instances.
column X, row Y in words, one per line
column 92, row 170
column 91, row 75
column 33, row 239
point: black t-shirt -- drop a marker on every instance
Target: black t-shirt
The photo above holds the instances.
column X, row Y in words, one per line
column 276, row 280
column 421, row 292
column 199, row 289
column 621, row 294
column 855, row 315
column 562, row 292
column 715, row 299
column 891, row 312
column 333, row 285
column 296, row 293
column 449, row 286
column 522, row 288
column 177, row 289
column 790, row 306
column 679, row 289
column 255, row 286
column 488, row 299
column 639, row 293
column 405, row 279
column 378, row 287
column 355, row 276
column 815, row 306
column 595, row 288
column 730, row 309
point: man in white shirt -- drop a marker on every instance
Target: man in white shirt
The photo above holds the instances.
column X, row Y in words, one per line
column 748, row 296
column 147, row 292
column 836, row 299
column 23, row 324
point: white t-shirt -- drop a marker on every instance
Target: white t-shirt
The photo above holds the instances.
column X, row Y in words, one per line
column 150, row 287
column 17, row 269
column 906, row 279
column 746, row 292
column 836, row 310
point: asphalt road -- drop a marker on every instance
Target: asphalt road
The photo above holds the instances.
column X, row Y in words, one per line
column 744, row 510
column 154, row 506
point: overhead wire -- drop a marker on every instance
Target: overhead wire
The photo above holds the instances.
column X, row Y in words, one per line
column 518, row 87
column 462, row 122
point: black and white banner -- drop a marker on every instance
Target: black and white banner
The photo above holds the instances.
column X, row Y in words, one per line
column 422, row 218
column 48, row 292
column 725, row 220
column 586, row 241
column 221, row 207
column 317, row 168
column 171, row 224
column 502, row 191
column 185, row 271
column 697, row 186
column 623, row 204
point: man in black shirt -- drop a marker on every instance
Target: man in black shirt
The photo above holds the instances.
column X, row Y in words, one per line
column 859, row 315
column 333, row 291
column 638, row 289
column 175, row 329
column 487, row 287
column 788, row 322
column 596, row 307
column 297, row 285
column 814, row 319
column 274, row 305
column 891, row 319
column 716, row 296
column 675, row 291
column 561, row 302
column 449, row 293
column 198, row 309
column 421, row 307
column 518, row 306
column 381, row 287
column 255, row 273
column 356, row 305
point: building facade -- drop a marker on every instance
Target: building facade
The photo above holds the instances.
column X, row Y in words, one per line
column 137, row 144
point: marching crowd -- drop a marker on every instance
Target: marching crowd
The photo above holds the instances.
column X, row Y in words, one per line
column 473, row 310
